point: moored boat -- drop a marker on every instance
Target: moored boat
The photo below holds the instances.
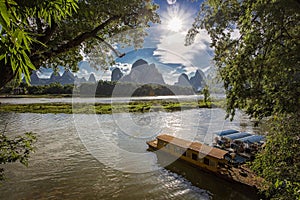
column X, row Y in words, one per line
column 208, row 158
column 243, row 144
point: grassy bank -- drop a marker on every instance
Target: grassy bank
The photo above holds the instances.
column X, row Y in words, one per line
column 99, row 108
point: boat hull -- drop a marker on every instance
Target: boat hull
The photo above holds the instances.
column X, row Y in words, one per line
column 240, row 174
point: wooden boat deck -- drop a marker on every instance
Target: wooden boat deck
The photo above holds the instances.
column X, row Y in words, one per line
column 152, row 145
column 241, row 174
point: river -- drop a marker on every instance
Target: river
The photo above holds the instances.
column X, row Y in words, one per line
column 105, row 157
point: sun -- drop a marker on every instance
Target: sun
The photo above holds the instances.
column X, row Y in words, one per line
column 174, row 24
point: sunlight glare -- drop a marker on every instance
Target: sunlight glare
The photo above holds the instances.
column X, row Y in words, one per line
column 175, row 24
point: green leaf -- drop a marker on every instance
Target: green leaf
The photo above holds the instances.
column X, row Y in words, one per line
column 4, row 14
column 2, row 56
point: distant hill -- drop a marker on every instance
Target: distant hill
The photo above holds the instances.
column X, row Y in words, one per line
column 162, row 72
column 197, row 82
column 66, row 78
column 141, row 72
column 148, row 54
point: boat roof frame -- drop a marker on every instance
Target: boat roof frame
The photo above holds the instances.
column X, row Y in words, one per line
column 237, row 135
column 195, row 146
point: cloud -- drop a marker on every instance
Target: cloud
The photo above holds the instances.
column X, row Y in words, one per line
column 85, row 70
column 171, row 49
column 43, row 74
column 169, row 73
column 171, row 2
column 170, row 44
column 106, row 74
column 124, row 67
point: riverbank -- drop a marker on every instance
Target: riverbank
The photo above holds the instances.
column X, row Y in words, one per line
column 105, row 108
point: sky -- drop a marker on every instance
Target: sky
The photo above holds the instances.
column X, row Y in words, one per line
column 166, row 41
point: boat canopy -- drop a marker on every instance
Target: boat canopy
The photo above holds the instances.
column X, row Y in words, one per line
column 237, row 135
column 251, row 139
column 226, row 132
column 196, row 146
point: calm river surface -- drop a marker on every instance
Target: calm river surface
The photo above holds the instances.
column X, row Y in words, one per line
column 105, row 157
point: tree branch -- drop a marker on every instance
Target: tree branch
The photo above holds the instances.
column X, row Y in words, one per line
column 48, row 32
column 79, row 39
column 39, row 24
column 6, row 72
column 45, row 38
column 120, row 55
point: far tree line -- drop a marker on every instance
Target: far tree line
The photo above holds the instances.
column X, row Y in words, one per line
column 100, row 89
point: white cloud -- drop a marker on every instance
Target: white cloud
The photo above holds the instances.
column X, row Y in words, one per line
column 85, row 70
column 171, row 49
column 106, row 74
column 170, row 44
column 171, row 2
column 170, row 74
column 43, row 75
column 124, row 67
column 46, row 72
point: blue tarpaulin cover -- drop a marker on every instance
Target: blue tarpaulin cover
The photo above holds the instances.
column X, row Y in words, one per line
column 252, row 139
column 237, row 135
column 227, row 132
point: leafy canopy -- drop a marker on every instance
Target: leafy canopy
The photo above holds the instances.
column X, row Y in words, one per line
column 17, row 39
column 279, row 163
column 50, row 33
column 257, row 49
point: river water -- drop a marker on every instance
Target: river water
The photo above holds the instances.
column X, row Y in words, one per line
column 98, row 100
column 179, row 98
column 105, row 157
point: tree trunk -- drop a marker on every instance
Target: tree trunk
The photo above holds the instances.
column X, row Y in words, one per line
column 6, row 74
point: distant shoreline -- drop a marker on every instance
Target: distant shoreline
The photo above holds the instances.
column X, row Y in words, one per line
column 35, row 96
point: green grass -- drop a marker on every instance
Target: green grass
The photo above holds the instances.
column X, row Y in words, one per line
column 99, row 108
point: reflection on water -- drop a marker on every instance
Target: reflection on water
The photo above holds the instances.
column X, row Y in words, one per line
column 218, row 188
column 71, row 162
